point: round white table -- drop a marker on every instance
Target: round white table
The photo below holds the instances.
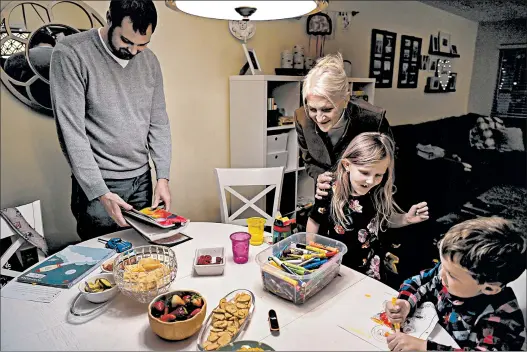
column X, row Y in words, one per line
column 123, row 324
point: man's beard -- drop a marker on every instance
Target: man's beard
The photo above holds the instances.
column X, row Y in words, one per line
column 121, row 53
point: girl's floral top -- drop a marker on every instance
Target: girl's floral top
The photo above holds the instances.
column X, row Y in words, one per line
column 365, row 253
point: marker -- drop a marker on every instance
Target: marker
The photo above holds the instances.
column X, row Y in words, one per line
column 316, row 264
column 321, row 246
column 308, row 261
column 278, row 275
column 396, row 326
column 281, row 264
column 313, row 249
column 297, row 268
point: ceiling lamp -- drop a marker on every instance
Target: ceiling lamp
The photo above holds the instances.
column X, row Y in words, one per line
column 243, row 10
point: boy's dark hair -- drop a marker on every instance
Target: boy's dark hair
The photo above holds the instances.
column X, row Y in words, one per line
column 491, row 249
column 142, row 13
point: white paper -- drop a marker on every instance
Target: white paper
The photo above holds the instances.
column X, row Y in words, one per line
column 420, row 324
column 29, row 292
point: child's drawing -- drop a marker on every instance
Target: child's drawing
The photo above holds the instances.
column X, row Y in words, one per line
column 419, row 325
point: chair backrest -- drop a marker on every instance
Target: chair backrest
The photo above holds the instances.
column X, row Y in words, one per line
column 271, row 177
column 33, row 215
column 518, row 287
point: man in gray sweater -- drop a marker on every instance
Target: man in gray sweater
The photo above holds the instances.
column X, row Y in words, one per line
column 109, row 106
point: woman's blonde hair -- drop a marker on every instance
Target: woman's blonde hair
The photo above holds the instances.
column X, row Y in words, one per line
column 366, row 149
column 327, row 79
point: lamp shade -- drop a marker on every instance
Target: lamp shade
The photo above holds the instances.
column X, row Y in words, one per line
column 263, row 10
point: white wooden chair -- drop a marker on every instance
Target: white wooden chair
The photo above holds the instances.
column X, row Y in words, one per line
column 33, row 215
column 518, row 287
column 271, row 177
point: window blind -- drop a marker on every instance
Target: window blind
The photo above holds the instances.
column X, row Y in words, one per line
column 510, row 94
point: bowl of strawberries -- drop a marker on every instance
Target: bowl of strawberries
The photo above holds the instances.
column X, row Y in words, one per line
column 209, row 261
column 177, row 315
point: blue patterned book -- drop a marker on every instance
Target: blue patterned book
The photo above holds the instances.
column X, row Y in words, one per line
column 67, row 267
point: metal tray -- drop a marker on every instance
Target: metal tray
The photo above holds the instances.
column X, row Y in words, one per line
column 205, row 329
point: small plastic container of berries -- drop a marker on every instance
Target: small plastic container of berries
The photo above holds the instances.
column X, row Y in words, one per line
column 209, row 261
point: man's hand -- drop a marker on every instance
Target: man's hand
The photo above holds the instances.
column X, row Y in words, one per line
column 323, row 184
column 402, row 342
column 113, row 204
column 162, row 193
column 397, row 313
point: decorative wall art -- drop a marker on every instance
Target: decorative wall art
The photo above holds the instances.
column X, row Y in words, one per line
column 409, row 62
column 441, row 45
column 382, row 57
column 444, row 80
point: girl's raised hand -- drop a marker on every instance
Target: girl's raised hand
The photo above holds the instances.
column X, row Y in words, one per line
column 418, row 213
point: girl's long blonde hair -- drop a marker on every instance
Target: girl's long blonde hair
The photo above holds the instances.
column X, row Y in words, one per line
column 366, row 149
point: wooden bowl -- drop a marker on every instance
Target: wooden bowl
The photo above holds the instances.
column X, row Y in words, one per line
column 177, row 330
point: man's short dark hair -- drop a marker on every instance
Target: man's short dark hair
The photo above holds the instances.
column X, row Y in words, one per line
column 142, row 13
column 42, row 37
column 491, row 249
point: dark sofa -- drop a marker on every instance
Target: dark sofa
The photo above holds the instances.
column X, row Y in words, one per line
column 444, row 184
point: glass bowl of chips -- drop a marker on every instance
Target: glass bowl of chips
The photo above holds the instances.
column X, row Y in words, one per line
column 145, row 272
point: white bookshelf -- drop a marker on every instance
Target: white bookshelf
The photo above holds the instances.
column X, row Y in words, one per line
column 249, row 129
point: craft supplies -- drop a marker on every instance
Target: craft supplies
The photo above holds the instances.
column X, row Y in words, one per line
column 396, row 326
column 318, row 245
column 294, row 270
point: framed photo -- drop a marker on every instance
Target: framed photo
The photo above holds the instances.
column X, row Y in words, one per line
column 452, row 81
column 434, row 44
column 425, row 61
column 434, row 83
column 410, row 61
column 382, row 56
column 453, row 49
column 252, row 61
column 444, row 42
column 433, row 64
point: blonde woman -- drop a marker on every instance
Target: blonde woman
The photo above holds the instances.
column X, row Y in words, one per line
column 329, row 119
column 360, row 205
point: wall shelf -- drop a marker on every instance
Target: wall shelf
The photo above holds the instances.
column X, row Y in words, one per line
column 427, row 90
column 438, row 53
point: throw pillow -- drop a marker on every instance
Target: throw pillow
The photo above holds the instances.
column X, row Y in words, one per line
column 511, row 140
column 483, row 135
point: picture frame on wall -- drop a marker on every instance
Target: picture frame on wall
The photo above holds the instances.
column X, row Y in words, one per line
column 382, row 55
column 410, row 62
column 453, row 49
column 434, row 44
column 433, row 64
column 433, row 83
column 452, row 82
column 444, row 42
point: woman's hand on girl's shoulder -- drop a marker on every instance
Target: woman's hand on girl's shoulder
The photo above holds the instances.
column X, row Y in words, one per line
column 323, row 184
column 417, row 213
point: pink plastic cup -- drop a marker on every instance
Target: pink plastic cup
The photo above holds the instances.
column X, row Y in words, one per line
column 240, row 247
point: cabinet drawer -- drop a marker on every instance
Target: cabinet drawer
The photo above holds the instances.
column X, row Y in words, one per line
column 277, row 143
column 277, row 159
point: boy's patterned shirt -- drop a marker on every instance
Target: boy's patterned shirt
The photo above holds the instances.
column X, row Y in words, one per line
column 484, row 322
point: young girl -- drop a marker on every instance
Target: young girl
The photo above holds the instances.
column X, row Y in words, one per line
column 360, row 205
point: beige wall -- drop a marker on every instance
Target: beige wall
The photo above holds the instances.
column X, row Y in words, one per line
column 197, row 56
column 485, row 72
column 415, row 19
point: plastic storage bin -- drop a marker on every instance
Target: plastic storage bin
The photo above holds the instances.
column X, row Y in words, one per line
column 277, row 143
column 295, row 288
column 277, row 159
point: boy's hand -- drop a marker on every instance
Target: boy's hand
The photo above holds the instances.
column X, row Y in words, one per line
column 402, row 342
column 397, row 313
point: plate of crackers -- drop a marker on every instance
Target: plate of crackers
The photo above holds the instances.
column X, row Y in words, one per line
column 227, row 320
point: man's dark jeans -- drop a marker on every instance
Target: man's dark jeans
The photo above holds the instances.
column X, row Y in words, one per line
column 92, row 218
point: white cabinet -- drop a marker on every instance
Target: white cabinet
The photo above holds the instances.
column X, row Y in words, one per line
column 255, row 144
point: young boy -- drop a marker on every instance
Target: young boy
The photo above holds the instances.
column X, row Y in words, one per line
column 478, row 258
